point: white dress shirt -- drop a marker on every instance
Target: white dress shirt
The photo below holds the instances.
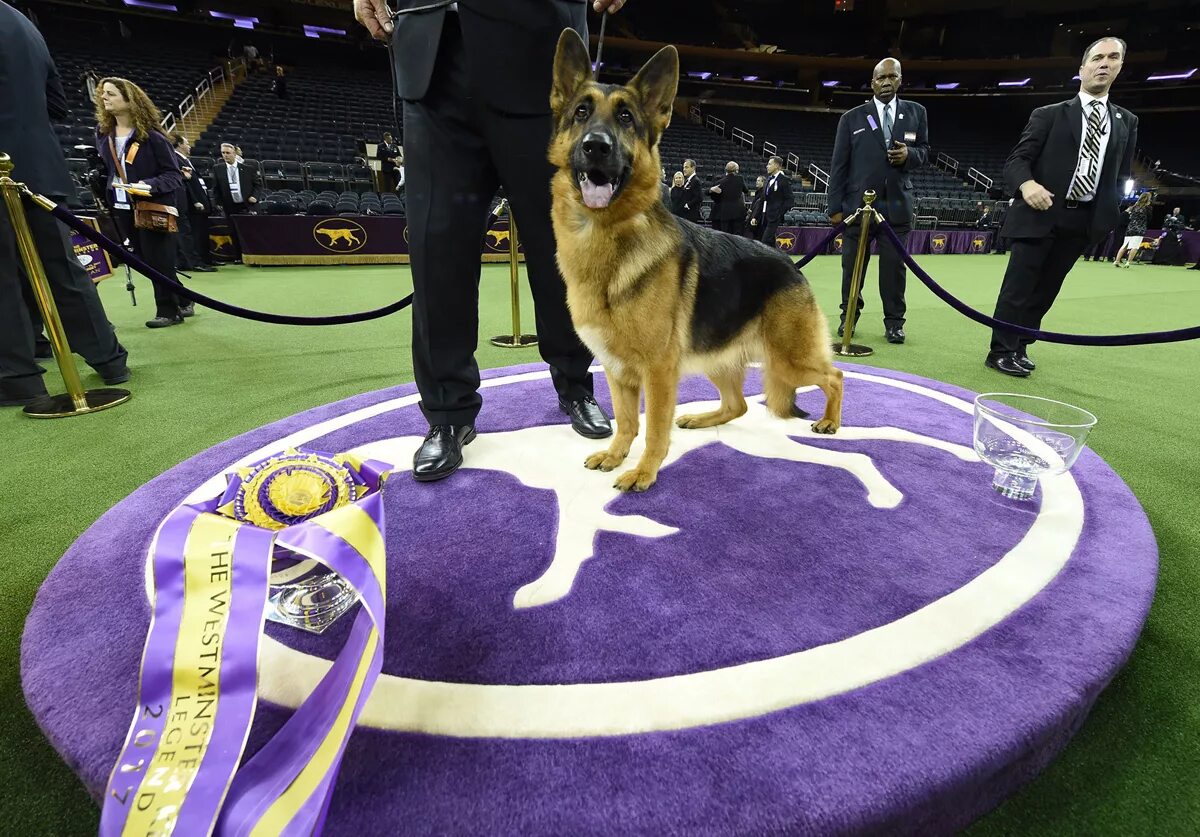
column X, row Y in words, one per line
column 879, row 113
column 1081, row 162
column 235, row 183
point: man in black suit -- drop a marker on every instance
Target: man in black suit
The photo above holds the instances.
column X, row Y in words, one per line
column 475, row 79
column 729, row 202
column 1067, row 171
column 776, row 200
column 877, row 145
column 33, row 97
column 388, row 153
column 693, row 192
column 193, row 204
column 238, row 186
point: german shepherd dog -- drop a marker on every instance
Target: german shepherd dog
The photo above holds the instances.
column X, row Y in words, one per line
column 655, row 296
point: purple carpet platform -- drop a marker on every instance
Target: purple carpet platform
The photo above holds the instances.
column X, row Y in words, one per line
column 789, row 633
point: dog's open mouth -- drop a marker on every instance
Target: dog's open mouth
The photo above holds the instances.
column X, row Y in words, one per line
column 598, row 188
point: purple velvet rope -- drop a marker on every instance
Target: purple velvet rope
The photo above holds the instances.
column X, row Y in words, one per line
column 961, row 307
column 837, row 230
column 62, row 214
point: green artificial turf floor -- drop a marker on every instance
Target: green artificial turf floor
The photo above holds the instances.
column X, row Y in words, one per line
column 1134, row 768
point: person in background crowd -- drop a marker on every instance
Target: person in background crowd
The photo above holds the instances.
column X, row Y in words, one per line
column 693, row 192
column 1170, row 245
column 878, row 145
column 194, row 206
column 135, row 152
column 665, row 186
column 757, row 199
column 279, row 84
column 1067, row 169
column 777, row 199
column 28, row 137
column 1138, row 218
column 678, row 195
column 729, row 201
column 238, row 187
column 388, row 154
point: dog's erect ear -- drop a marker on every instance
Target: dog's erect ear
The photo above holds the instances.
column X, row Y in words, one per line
column 572, row 67
column 656, row 84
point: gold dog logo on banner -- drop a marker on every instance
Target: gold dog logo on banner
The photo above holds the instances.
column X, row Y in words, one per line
column 785, row 242
column 977, row 244
column 498, row 239
column 837, row 244
column 938, row 244
column 340, row 235
column 220, row 242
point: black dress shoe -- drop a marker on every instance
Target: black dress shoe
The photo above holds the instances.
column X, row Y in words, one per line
column 1025, row 363
column 203, row 268
column 43, row 351
column 118, row 378
column 188, row 310
column 1008, row 365
column 587, row 418
column 18, row 400
column 440, row 455
column 164, row 322
column 895, row 334
column 842, row 330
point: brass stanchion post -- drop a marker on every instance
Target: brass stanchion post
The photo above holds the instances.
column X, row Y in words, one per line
column 76, row 401
column 516, row 340
column 844, row 347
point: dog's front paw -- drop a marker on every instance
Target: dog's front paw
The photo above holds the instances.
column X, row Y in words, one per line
column 603, row 461
column 825, row 426
column 635, row 479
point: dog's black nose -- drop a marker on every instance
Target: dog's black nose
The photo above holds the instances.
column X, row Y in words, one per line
column 597, row 145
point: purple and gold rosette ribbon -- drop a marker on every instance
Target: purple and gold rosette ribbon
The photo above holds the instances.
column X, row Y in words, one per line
column 212, row 561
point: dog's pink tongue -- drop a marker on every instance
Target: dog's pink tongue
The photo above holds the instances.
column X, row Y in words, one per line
column 596, row 196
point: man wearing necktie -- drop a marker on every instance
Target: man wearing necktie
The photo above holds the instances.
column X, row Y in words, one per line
column 1067, row 171
column 693, row 192
column 238, row 186
column 777, row 200
column 878, row 144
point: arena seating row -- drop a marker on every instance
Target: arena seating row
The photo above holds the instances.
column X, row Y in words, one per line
column 328, row 202
column 325, row 117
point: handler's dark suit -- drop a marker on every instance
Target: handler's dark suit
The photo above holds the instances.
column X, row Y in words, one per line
column 860, row 163
column 33, row 95
column 476, row 91
column 1045, row 245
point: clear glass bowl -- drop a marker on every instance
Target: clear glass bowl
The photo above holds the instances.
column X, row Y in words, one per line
column 1025, row 437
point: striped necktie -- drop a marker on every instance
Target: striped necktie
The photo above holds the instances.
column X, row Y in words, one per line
column 1086, row 176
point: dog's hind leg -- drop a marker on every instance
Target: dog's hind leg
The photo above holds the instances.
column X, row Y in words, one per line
column 733, row 403
column 781, row 379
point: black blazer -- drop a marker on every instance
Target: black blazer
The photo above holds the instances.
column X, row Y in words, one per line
column 678, row 199
column 860, row 160
column 730, row 204
column 386, row 153
column 32, row 96
column 156, row 164
column 693, row 192
column 777, row 197
column 509, row 48
column 249, row 177
column 193, row 191
column 1048, row 152
column 756, row 205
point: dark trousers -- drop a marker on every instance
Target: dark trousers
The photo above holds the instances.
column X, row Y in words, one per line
column 733, row 226
column 1035, row 274
column 201, row 247
column 159, row 250
column 88, row 330
column 458, row 151
column 892, row 274
column 769, row 228
column 232, row 209
column 185, row 247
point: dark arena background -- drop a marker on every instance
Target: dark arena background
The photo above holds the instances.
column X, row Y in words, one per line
column 789, row 633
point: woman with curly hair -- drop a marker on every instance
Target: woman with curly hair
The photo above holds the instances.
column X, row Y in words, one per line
column 142, row 168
